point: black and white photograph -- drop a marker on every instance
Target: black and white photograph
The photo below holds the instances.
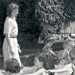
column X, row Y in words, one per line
column 37, row 37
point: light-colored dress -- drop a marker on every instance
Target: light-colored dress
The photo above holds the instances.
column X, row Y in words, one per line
column 10, row 27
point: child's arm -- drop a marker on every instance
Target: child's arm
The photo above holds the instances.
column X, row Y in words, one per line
column 28, row 70
column 39, row 72
column 53, row 53
column 59, row 70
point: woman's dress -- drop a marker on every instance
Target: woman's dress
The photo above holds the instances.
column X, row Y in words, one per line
column 10, row 27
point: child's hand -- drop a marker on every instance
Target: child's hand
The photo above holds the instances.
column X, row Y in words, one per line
column 47, row 71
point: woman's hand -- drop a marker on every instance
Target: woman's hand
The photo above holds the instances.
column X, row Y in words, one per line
column 19, row 48
column 11, row 51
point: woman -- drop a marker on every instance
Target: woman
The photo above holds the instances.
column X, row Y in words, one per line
column 10, row 44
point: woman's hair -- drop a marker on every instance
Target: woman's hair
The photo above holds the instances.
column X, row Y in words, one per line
column 64, row 55
column 10, row 8
column 12, row 65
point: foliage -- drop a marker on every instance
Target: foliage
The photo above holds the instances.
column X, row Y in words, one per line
column 27, row 21
column 52, row 13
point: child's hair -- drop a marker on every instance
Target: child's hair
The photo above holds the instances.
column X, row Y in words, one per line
column 72, row 53
column 46, row 60
column 12, row 65
column 10, row 8
column 64, row 55
column 47, row 45
column 48, row 38
column 68, row 42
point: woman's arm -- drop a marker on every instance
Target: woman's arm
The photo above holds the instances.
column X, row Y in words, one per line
column 9, row 42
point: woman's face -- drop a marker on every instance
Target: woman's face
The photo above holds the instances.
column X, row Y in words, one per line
column 14, row 13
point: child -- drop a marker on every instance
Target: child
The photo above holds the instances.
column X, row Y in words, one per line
column 64, row 67
column 72, row 55
column 68, row 44
column 42, row 61
column 48, row 52
column 11, row 67
column 40, row 64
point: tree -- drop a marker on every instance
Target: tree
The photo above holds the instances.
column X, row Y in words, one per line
column 28, row 23
column 53, row 13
